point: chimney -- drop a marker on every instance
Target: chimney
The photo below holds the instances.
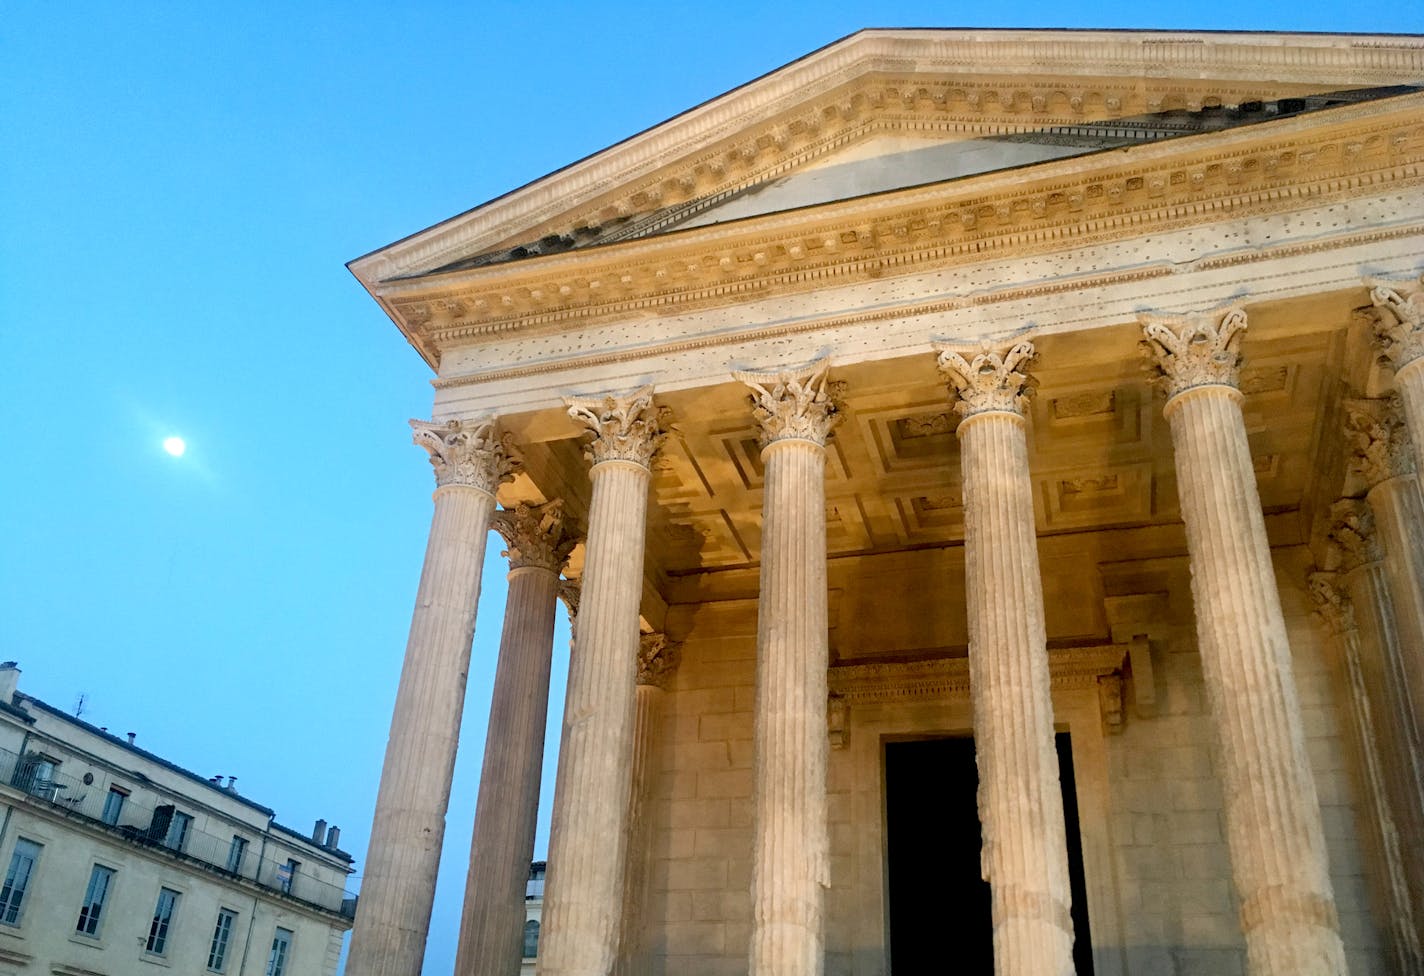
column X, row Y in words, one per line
column 132, row 736
column 9, row 681
column 333, row 837
column 318, row 832
column 230, row 781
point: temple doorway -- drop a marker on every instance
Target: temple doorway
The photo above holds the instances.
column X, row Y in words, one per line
column 939, row 907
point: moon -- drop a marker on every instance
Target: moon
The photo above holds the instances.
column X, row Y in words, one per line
column 175, row 446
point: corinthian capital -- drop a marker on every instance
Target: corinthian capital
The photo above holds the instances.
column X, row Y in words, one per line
column 470, row 453
column 1194, row 350
column 657, row 659
column 797, row 404
column 627, row 427
column 1379, row 439
column 1399, row 319
column 537, row 535
column 1352, row 532
column 991, row 382
column 1332, row 606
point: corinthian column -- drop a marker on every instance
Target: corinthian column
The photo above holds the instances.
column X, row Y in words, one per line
column 1384, row 458
column 492, row 923
column 790, row 866
column 1025, row 852
column 657, row 659
column 1399, row 331
column 470, row 461
column 583, row 894
column 1273, row 825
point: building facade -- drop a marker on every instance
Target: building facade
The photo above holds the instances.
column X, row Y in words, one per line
column 981, row 466
column 117, row 861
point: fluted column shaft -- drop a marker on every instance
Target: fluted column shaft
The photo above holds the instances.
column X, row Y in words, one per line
column 1274, row 831
column 492, row 923
column 398, row 888
column 583, row 894
column 790, row 845
column 656, row 659
column 1399, row 515
column 1025, row 854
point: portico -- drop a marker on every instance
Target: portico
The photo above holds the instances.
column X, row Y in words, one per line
column 884, row 405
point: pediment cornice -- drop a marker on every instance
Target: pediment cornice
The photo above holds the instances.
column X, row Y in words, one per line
column 932, row 81
column 1272, row 167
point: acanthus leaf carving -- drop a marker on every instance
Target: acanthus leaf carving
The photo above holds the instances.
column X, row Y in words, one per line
column 1332, row 604
column 627, row 427
column 795, row 404
column 1352, row 532
column 468, row 453
column 1379, row 439
column 1186, row 352
column 1399, row 320
column 992, row 381
column 539, row 536
column 657, row 659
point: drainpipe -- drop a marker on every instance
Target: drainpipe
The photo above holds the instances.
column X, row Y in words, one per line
column 252, row 919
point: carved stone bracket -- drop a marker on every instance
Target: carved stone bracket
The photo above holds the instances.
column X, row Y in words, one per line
column 1332, row 605
column 470, row 453
column 627, row 427
column 1352, row 533
column 1132, row 620
column 540, row 536
column 837, row 720
column 657, row 660
column 992, row 381
column 569, row 592
column 1399, row 319
column 795, row 404
column 1185, row 352
column 1379, row 439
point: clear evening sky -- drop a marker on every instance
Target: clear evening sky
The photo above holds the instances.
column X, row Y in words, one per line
column 180, row 187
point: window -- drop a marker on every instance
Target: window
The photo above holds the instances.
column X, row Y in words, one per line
column 162, row 921
column 178, row 829
column 235, row 853
column 281, row 949
column 113, row 806
column 101, row 879
column 36, row 776
column 17, row 879
column 217, row 953
column 286, row 874
column 531, row 939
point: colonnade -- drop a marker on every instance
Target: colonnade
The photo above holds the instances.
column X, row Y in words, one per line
column 1272, row 815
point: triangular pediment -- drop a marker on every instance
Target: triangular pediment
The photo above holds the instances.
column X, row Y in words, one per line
column 884, row 109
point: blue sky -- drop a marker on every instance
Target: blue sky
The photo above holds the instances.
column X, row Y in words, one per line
column 180, row 187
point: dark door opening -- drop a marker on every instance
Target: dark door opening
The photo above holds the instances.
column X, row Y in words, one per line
column 939, row 907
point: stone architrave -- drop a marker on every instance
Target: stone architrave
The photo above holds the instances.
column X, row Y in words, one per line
column 657, row 660
column 583, row 893
column 1025, row 849
column 471, row 460
column 1354, row 603
column 539, row 540
column 790, row 854
column 1274, row 831
column 1385, row 460
column 1399, row 332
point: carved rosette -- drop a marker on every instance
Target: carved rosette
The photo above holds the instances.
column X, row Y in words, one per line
column 1186, row 352
column 538, row 536
column 795, row 405
column 657, row 660
column 1352, row 532
column 1379, row 440
column 991, row 382
column 625, row 427
column 1399, row 320
column 1332, row 605
column 468, row 453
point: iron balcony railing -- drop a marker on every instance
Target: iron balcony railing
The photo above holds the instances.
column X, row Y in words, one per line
column 166, row 826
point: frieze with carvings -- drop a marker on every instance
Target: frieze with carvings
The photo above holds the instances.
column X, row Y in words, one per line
column 1069, row 668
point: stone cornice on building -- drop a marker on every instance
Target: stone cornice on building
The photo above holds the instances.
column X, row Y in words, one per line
column 965, row 77
column 1268, row 168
